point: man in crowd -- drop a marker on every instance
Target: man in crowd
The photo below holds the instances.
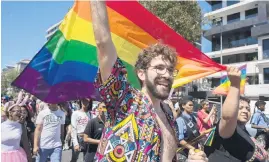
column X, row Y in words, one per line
column 135, row 118
column 260, row 122
column 93, row 132
column 49, row 134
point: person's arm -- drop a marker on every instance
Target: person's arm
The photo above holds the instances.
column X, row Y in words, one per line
column 25, row 143
column 206, row 119
column 62, row 128
column 181, row 125
column 38, row 131
column 87, row 137
column 74, row 129
column 107, row 54
column 228, row 121
column 185, row 144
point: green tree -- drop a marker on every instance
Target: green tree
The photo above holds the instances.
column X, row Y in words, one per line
column 182, row 16
column 7, row 78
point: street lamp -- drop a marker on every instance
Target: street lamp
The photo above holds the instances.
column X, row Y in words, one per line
column 219, row 20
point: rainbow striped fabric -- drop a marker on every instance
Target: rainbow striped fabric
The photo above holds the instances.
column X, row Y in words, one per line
column 223, row 88
column 65, row 68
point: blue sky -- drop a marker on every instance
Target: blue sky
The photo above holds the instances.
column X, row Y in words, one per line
column 24, row 26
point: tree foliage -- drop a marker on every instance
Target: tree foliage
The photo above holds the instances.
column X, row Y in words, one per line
column 7, row 78
column 182, row 16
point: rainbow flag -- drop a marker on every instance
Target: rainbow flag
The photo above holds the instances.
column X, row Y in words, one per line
column 210, row 137
column 223, row 88
column 65, row 68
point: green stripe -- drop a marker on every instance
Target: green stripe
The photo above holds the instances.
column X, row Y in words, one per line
column 63, row 50
column 72, row 50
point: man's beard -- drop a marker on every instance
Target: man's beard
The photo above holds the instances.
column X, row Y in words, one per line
column 152, row 87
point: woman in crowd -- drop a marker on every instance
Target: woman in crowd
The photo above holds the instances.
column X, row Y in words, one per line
column 187, row 126
column 79, row 121
column 12, row 133
column 25, row 119
column 205, row 120
column 240, row 146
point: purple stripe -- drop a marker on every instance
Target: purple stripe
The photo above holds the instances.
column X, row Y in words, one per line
column 34, row 83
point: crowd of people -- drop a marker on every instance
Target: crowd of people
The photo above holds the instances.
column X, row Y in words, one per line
column 132, row 124
column 34, row 130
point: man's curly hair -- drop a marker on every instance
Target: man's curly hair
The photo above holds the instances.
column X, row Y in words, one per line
column 158, row 49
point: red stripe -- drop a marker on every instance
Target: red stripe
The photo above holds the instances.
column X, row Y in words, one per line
column 140, row 16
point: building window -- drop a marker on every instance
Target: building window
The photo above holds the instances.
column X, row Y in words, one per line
column 266, row 75
column 232, row 2
column 265, row 48
column 251, row 56
column 251, row 13
column 233, row 18
column 215, row 43
column 252, row 80
column 216, row 59
column 216, row 5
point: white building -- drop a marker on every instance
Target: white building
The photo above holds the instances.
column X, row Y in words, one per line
column 240, row 35
column 52, row 30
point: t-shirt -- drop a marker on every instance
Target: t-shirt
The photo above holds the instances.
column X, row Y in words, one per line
column 10, row 135
column 200, row 123
column 79, row 121
column 51, row 132
column 94, row 130
column 239, row 147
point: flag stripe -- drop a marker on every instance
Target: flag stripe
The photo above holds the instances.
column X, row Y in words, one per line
column 119, row 25
column 164, row 32
column 66, row 72
column 81, row 30
column 55, row 93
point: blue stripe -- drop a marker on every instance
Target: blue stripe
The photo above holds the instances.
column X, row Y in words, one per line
column 69, row 71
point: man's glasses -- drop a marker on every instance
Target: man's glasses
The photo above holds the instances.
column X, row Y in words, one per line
column 161, row 70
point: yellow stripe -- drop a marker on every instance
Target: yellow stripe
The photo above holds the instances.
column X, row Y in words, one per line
column 75, row 28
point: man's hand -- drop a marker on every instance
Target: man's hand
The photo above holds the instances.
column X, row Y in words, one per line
column 76, row 148
column 234, row 75
column 197, row 156
column 35, row 150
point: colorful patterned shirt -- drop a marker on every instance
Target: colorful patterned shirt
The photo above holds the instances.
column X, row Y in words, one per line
column 132, row 132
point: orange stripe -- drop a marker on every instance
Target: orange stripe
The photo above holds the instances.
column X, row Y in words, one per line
column 119, row 25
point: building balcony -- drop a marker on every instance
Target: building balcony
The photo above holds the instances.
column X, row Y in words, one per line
column 252, row 91
column 233, row 51
column 252, row 67
column 228, row 10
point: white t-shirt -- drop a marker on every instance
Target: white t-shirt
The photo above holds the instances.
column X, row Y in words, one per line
column 79, row 122
column 51, row 132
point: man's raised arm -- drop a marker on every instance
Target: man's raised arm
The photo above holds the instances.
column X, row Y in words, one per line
column 107, row 54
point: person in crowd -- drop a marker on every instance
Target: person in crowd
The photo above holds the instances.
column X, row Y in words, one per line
column 67, row 126
column 188, row 129
column 240, row 146
column 25, row 119
column 49, row 134
column 155, row 68
column 206, row 120
column 260, row 122
column 3, row 115
column 12, row 133
column 230, row 141
column 79, row 121
column 93, row 132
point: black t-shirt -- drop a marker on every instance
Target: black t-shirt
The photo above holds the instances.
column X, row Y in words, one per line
column 94, row 130
column 239, row 147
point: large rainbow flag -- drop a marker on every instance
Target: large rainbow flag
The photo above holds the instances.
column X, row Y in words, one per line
column 65, row 68
column 224, row 87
